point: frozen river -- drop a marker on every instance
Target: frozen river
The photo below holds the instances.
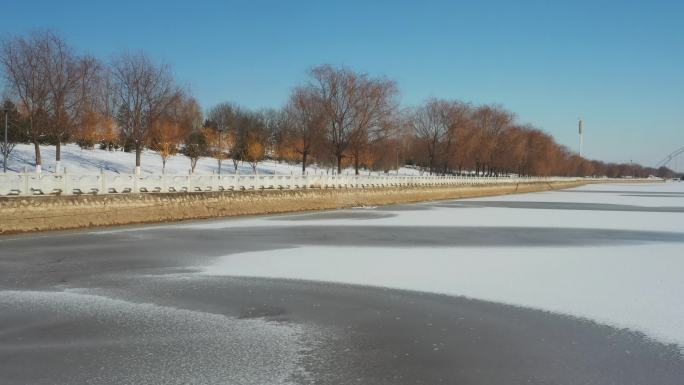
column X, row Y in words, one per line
column 597, row 251
column 575, row 286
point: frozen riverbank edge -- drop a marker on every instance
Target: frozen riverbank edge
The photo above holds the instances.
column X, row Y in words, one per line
column 47, row 213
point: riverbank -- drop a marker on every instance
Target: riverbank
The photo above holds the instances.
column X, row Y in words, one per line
column 45, row 213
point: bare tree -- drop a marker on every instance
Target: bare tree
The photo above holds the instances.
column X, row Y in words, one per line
column 168, row 133
column 458, row 117
column 87, row 123
column 22, row 71
column 338, row 93
column 431, row 124
column 251, row 138
column 306, row 123
column 190, row 120
column 9, row 116
column 222, row 118
column 354, row 104
column 144, row 92
column 277, row 124
column 490, row 121
column 61, row 71
column 513, row 149
column 195, row 146
column 105, row 101
column 374, row 123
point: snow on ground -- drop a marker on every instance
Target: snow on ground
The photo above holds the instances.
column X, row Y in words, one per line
column 628, row 284
column 80, row 161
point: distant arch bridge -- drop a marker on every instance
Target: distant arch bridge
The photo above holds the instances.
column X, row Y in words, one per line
column 670, row 157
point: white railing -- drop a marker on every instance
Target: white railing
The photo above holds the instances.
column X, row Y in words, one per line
column 25, row 184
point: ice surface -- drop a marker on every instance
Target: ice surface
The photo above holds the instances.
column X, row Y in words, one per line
column 636, row 285
column 121, row 342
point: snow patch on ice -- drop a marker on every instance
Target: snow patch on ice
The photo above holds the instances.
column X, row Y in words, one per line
column 636, row 286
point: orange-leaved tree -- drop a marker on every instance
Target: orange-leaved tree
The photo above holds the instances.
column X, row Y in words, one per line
column 165, row 138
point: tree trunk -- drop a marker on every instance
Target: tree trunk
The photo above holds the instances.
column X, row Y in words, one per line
column 339, row 164
column 356, row 165
column 58, row 155
column 304, row 156
column 138, row 151
column 220, row 154
column 38, row 160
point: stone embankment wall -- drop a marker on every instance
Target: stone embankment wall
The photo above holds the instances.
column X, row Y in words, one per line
column 41, row 213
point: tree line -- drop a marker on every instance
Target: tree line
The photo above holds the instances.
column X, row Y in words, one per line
column 338, row 118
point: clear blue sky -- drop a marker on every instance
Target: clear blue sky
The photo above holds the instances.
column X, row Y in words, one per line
column 618, row 64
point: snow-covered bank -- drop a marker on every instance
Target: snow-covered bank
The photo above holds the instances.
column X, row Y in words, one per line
column 80, row 161
column 623, row 283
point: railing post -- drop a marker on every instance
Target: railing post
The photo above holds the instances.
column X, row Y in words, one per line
column 25, row 182
column 103, row 183
column 65, row 175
